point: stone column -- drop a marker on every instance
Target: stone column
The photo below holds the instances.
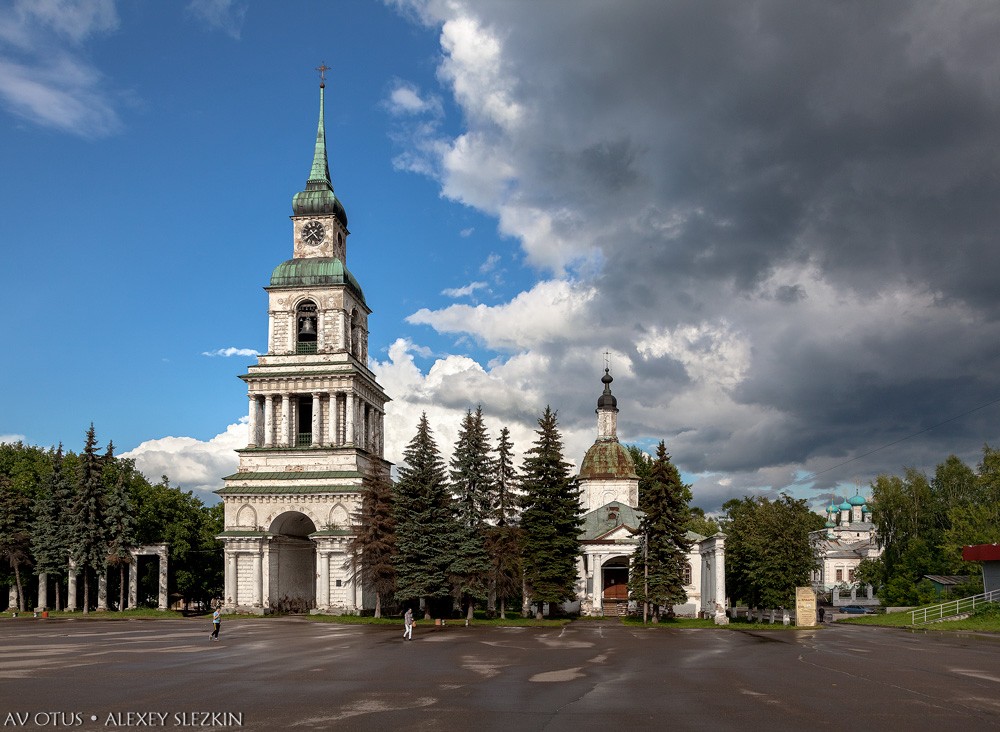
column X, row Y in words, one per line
column 102, row 592
column 228, row 576
column 258, row 580
column 284, row 423
column 71, row 588
column 349, row 415
column 316, row 421
column 331, row 433
column 599, row 584
column 323, row 595
column 268, row 420
column 43, row 592
column 133, row 581
column 252, row 422
column 164, row 600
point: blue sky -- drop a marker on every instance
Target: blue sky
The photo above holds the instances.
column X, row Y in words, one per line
column 780, row 222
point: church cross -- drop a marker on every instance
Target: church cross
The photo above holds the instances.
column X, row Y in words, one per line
column 322, row 69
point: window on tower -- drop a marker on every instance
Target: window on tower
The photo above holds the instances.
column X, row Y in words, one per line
column 305, row 327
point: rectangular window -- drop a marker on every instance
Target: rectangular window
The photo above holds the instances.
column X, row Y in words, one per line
column 850, row 575
column 840, row 575
column 338, row 583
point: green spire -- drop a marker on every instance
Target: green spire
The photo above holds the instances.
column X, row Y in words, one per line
column 318, row 196
column 320, row 172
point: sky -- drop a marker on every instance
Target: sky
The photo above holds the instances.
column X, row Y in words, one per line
column 777, row 222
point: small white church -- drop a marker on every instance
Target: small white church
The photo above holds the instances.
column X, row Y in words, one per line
column 610, row 498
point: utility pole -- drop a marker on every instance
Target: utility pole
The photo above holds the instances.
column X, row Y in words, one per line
column 645, row 577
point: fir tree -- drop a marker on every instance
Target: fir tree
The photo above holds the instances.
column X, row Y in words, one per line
column 551, row 520
column 503, row 539
column 425, row 523
column 473, row 488
column 88, row 540
column 121, row 533
column 659, row 563
column 50, row 534
column 15, row 538
column 374, row 542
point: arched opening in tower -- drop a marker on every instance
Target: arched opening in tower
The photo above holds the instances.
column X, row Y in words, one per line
column 292, row 564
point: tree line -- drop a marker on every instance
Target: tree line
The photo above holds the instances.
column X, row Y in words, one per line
column 923, row 522
column 481, row 532
column 88, row 511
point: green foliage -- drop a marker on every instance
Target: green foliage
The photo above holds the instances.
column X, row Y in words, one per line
column 180, row 519
column 50, row 526
column 426, row 529
column 701, row 524
column 768, row 553
column 552, row 518
column 374, row 541
column 659, row 563
column 503, row 540
column 923, row 524
column 473, row 486
column 473, row 473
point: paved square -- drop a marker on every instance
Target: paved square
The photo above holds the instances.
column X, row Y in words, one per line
column 289, row 673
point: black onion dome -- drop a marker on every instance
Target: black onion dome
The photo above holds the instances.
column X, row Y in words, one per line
column 607, row 399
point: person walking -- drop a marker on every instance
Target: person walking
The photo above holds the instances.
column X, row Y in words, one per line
column 408, row 624
column 216, row 623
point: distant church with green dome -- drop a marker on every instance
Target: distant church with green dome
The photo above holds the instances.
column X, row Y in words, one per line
column 609, row 496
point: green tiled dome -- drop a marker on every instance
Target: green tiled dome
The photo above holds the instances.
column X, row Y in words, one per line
column 607, row 459
column 315, row 272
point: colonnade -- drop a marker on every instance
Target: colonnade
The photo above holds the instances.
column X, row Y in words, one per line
column 339, row 418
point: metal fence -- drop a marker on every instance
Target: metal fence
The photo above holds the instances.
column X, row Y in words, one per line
column 953, row 608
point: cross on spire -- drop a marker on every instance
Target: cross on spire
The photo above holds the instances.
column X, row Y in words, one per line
column 322, row 69
column 607, row 360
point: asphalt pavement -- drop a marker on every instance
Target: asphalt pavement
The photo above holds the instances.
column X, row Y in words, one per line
column 291, row 673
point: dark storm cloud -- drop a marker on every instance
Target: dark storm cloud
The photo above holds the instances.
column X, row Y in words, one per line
column 821, row 179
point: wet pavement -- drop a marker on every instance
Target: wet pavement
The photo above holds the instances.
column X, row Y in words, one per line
column 290, row 673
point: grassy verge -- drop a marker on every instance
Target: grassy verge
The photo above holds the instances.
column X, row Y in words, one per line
column 141, row 612
column 986, row 620
column 478, row 621
column 741, row 624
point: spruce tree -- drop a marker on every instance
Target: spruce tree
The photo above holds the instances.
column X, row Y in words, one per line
column 15, row 538
column 503, row 539
column 658, row 564
column 472, row 486
column 50, row 532
column 425, row 523
column 121, row 533
column 374, row 541
column 551, row 520
column 88, row 539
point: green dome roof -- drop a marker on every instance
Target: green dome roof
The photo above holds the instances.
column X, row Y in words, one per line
column 315, row 272
column 607, row 459
column 831, row 509
column 830, row 524
column 845, row 506
column 856, row 500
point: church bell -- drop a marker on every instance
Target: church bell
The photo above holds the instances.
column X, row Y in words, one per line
column 307, row 327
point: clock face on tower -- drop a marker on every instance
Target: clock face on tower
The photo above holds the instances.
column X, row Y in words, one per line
column 313, row 232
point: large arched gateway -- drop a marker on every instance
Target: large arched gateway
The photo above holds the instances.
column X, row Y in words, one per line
column 292, row 565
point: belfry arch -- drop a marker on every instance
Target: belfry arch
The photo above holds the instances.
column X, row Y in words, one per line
column 292, row 563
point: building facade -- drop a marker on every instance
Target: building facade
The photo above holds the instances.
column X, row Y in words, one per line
column 316, row 416
column 849, row 537
column 609, row 497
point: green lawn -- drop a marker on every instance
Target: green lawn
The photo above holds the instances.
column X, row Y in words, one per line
column 986, row 619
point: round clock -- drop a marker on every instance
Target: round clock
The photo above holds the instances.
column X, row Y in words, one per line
column 313, row 232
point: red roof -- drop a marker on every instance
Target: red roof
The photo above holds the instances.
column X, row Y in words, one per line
column 981, row 553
